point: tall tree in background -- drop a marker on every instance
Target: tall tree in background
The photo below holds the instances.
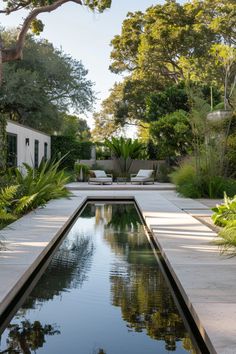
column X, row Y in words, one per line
column 15, row 51
column 168, row 46
column 35, row 8
column 38, row 89
column 75, row 127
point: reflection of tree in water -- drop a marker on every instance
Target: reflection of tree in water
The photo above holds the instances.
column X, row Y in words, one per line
column 27, row 336
column 67, row 270
column 125, row 226
column 138, row 286
column 124, row 217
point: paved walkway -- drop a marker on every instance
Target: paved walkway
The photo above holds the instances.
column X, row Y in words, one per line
column 205, row 278
column 120, row 186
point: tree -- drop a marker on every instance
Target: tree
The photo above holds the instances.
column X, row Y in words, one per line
column 35, row 8
column 174, row 40
column 172, row 135
column 75, row 127
column 165, row 50
column 46, row 83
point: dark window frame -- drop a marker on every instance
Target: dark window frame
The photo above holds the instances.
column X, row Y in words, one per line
column 45, row 152
column 36, row 153
column 12, row 156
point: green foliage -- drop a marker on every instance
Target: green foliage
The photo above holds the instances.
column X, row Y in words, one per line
column 225, row 213
column 33, row 188
column 173, row 40
column 124, row 150
column 225, row 216
column 81, row 171
column 73, row 149
column 171, row 99
column 42, row 86
column 172, row 135
column 186, row 181
column 196, row 184
column 231, row 154
column 75, row 127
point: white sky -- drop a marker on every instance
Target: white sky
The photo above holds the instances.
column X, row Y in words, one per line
column 86, row 36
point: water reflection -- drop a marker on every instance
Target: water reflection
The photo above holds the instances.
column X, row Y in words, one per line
column 26, row 336
column 68, row 269
column 138, row 286
column 102, row 287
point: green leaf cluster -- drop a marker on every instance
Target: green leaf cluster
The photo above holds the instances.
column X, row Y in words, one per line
column 32, row 188
column 72, row 148
column 202, row 181
column 124, row 150
column 225, row 213
column 225, row 216
column 38, row 90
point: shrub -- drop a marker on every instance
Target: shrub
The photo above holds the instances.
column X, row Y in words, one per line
column 225, row 215
column 204, row 184
column 31, row 189
column 185, row 180
column 75, row 150
column 226, row 212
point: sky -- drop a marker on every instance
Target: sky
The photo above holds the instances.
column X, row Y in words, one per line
column 86, row 36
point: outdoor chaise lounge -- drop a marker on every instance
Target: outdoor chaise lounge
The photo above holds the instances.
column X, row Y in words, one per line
column 100, row 177
column 142, row 176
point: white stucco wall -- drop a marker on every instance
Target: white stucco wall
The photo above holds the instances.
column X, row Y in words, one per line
column 25, row 153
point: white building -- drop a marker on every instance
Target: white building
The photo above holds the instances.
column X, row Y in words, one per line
column 26, row 145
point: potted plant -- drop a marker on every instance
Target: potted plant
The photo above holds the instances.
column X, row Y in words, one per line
column 81, row 172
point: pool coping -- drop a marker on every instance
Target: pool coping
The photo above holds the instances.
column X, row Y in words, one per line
column 158, row 208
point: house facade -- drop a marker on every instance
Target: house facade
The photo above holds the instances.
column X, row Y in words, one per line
column 26, row 145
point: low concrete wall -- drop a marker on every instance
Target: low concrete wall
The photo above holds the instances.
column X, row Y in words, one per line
column 112, row 165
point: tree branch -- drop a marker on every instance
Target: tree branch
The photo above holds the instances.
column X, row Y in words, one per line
column 8, row 11
column 16, row 52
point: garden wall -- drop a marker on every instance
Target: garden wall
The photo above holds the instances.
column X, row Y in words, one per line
column 111, row 165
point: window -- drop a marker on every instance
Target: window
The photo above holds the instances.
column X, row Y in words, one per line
column 11, row 150
column 45, row 154
column 36, row 153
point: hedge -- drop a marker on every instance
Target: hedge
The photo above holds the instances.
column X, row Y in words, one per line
column 78, row 150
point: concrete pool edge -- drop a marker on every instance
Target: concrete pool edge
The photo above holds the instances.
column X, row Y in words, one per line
column 145, row 202
column 23, row 275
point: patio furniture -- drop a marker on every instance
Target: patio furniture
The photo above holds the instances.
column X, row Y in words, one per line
column 122, row 180
column 142, row 177
column 100, row 177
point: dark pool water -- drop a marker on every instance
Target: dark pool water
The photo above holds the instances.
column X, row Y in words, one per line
column 103, row 292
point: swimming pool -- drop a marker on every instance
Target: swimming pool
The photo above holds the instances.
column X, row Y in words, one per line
column 103, row 292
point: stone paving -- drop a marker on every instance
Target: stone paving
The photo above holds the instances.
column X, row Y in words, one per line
column 205, row 278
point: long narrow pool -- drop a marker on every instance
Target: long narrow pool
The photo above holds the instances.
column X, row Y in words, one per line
column 103, row 292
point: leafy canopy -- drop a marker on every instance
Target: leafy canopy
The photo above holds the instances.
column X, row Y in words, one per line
column 39, row 89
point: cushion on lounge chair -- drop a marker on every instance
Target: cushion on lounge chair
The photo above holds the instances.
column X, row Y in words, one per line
column 144, row 173
column 100, row 173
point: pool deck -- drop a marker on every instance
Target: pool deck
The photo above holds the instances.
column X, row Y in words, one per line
column 205, row 278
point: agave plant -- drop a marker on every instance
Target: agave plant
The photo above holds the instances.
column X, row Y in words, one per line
column 124, row 150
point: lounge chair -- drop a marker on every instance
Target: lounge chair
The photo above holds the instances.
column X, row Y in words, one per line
column 100, row 177
column 142, row 176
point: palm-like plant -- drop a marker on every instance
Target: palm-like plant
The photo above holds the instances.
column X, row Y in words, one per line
column 31, row 189
column 125, row 150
